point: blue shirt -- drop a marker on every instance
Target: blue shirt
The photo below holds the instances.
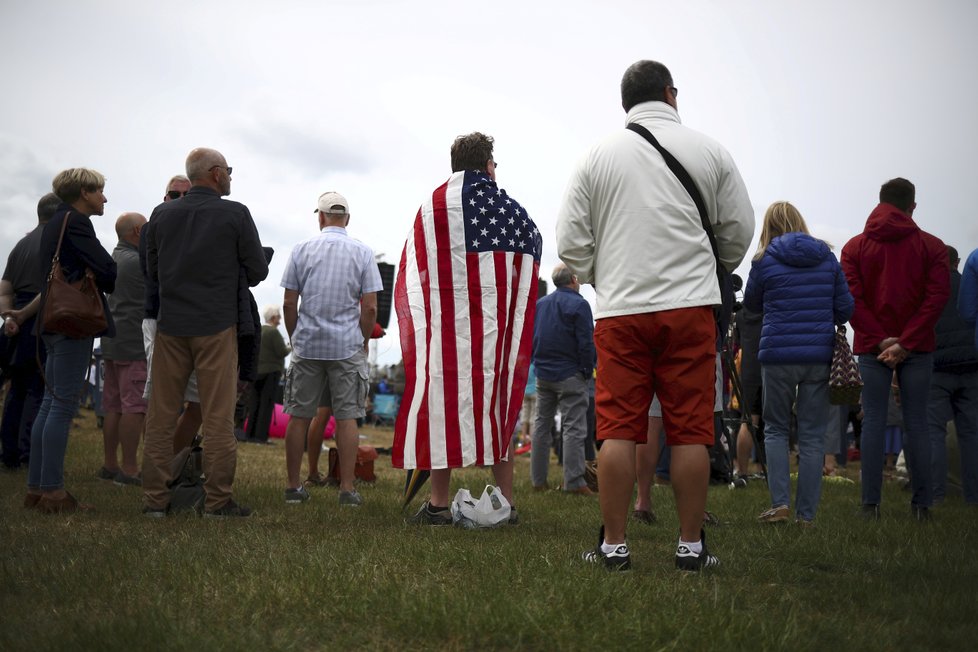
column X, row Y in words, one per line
column 331, row 272
column 563, row 336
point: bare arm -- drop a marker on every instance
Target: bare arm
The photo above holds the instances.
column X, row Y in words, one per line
column 14, row 318
column 290, row 311
column 368, row 316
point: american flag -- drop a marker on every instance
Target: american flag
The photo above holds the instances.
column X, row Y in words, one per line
column 465, row 296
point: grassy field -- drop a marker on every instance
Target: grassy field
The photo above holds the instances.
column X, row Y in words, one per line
column 317, row 576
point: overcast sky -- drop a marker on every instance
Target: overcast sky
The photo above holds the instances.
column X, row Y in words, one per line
column 818, row 103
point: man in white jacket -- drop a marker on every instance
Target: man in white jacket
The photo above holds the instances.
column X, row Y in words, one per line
column 629, row 227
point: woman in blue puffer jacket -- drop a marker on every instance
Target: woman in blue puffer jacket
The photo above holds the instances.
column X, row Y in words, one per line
column 798, row 284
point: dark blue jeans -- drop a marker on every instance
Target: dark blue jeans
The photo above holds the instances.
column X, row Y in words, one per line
column 67, row 364
column 913, row 375
column 954, row 396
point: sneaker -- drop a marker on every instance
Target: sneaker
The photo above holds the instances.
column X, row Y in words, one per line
column 646, row 516
column 121, row 480
column 775, row 514
column 738, row 482
column 616, row 560
column 514, row 518
column 687, row 560
column 296, row 496
column 350, row 498
column 920, row 513
column 230, row 509
column 104, row 474
column 869, row 512
column 804, row 524
column 152, row 512
column 429, row 515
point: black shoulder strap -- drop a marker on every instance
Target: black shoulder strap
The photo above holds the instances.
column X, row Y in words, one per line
column 687, row 181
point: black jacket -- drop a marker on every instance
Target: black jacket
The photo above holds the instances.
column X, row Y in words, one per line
column 80, row 249
column 955, row 352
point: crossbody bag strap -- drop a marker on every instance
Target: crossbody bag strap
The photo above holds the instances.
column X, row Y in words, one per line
column 687, row 181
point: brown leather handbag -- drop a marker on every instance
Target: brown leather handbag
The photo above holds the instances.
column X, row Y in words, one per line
column 72, row 309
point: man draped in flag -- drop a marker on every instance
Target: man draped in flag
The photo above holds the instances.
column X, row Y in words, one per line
column 465, row 296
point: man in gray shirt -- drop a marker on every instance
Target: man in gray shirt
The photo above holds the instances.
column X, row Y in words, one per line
column 125, row 359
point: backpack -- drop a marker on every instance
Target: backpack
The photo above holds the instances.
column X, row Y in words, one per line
column 187, row 485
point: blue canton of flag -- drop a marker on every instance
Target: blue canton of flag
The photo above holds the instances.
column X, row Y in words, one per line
column 493, row 221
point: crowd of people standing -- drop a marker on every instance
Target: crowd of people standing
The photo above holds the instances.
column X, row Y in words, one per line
column 656, row 217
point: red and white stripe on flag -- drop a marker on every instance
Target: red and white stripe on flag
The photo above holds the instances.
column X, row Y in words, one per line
column 465, row 296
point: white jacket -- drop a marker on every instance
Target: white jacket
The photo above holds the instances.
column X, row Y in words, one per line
column 628, row 226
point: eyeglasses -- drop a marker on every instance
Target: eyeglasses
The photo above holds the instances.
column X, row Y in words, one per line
column 229, row 168
column 175, row 194
column 675, row 91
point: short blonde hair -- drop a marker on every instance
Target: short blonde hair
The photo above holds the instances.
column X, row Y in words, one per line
column 781, row 217
column 69, row 184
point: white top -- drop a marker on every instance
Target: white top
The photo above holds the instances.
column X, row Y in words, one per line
column 331, row 272
column 628, row 226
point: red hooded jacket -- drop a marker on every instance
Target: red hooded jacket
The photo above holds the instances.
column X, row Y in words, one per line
column 900, row 278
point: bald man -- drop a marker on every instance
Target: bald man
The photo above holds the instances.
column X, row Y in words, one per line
column 125, row 359
column 197, row 248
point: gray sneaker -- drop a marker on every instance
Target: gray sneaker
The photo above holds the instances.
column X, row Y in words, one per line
column 296, row 496
column 428, row 516
column 350, row 498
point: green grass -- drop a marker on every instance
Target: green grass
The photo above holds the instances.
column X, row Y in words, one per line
column 316, row 576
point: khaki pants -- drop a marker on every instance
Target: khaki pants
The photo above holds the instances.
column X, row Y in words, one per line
column 215, row 358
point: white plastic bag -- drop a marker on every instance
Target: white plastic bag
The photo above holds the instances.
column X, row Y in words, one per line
column 490, row 510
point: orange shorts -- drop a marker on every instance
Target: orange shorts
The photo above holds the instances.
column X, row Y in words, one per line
column 671, row 354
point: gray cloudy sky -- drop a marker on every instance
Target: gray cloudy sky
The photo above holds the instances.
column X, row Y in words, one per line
column 819, row 103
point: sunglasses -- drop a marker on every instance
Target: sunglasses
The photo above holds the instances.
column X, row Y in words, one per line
column 175, row 194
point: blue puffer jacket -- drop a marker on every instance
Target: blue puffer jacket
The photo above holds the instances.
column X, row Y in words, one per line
column 799, row 286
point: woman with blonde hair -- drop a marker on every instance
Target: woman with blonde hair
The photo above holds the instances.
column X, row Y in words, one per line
column 797, row 283
column 81, row 194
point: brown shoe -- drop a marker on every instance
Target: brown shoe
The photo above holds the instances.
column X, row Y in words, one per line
column 580, row 491
column 65, row 505
column 31, row 501
column 540, row 487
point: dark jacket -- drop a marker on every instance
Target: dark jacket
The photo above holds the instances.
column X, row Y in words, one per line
column 799, row 286
column 563, row 336
column 80, row 250
column 955, row 352
column 196, row 247
column 898, row 276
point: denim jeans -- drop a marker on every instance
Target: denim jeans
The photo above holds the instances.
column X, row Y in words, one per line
column 913, row 375
column 783, row 385
column 954, row 396
column 571, row 396
column 65, row 369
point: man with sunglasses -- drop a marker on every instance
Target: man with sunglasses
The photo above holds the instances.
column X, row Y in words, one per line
column 197, row 247
column 190, row 419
